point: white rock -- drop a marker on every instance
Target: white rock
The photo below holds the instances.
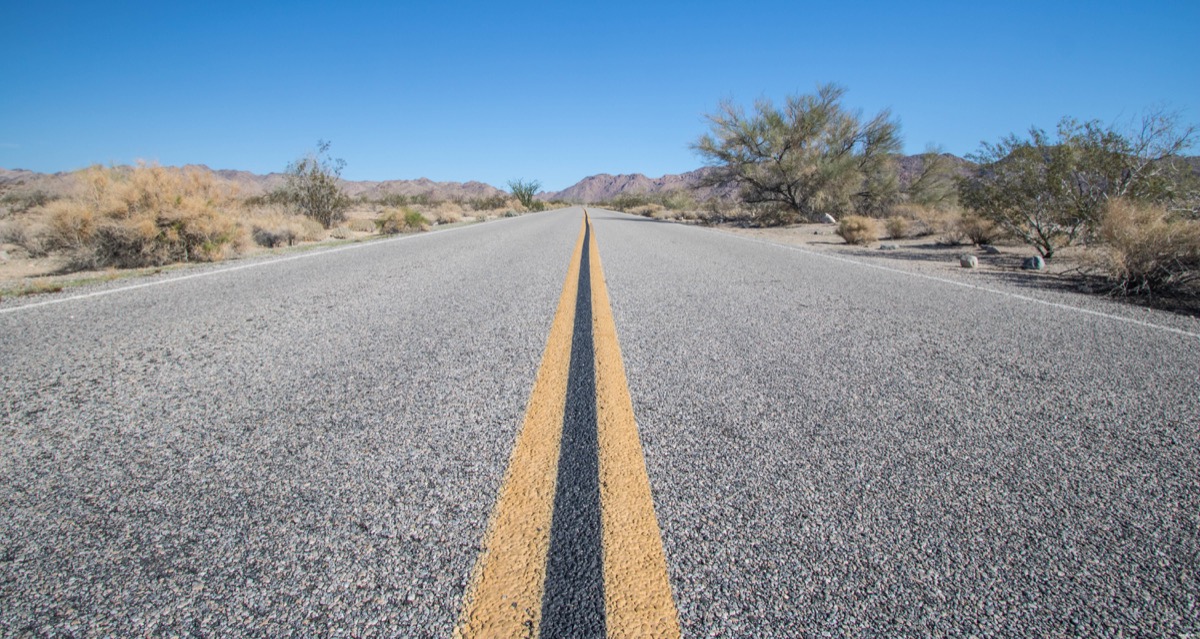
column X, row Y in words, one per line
column 968, row 261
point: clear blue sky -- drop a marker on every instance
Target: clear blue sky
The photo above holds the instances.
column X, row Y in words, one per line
column 553, row 91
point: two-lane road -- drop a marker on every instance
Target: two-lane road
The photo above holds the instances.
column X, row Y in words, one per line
column 314, row 446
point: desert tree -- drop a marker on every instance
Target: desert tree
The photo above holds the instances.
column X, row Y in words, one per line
column 524, row 190
column 313, row 187
column 810, row 157
column 935, row 183
column 1052, row 189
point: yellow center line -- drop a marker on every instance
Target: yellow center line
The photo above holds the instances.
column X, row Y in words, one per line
column 637, row 591
column 504, row 597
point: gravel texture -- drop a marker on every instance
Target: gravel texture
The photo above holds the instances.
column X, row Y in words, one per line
column 839, row 450
column 312, row 447
column 308, row 447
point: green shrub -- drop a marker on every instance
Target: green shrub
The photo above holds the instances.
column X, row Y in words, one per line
column 313, row 186
column 404, row 220
column 856, row 229
column 490, row 203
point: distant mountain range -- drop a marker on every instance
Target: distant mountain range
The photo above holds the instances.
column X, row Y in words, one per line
column 249, row 183
column 590, row 190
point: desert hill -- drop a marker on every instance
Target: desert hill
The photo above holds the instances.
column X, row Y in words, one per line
column 602, row 187
column 247, row 183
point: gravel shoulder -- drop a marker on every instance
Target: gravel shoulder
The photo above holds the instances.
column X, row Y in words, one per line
column 1063, row 280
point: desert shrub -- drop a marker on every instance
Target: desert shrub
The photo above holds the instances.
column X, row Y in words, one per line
column 313, row 186
column 145, row 216
column 897, row 227
column 942, row 223
column 647, row 210
column 272, row 237
column 524, row 190
column 393, row 200
column 30, row 235
column 625, row 202
column 1149, row 251
column 23, row 202
column 163, row 238
column 1051, row 189
column 403, row 220
column 489, row 203
column 811, row 156
column 446, row 213
column 361, row 225
column 280, row 230
column 978, row 229
column 856, row 229
column 280, row 197
column 677, row 200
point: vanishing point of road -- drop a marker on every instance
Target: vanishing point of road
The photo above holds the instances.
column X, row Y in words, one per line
column 563, row 425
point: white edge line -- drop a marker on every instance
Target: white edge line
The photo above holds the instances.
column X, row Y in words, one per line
column 1024, row 298
column 267, row 261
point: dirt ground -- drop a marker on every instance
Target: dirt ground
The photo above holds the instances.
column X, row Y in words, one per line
column 925, row 253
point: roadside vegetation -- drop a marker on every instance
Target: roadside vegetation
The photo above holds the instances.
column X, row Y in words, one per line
column 144, row 216
column 525, row 191
column 1124, row 197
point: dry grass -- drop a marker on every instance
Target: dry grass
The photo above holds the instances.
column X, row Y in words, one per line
column 145, row 216
column 656, row 211
column 274, row 227
column 898, row 227
column 361, row 225
column 402, row 220
column 979, row 230
column 1148, row 251
column 446, row 213
column 856, row 229
column 944, row 224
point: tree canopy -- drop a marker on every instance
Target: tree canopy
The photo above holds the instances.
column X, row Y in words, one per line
column 810, row 157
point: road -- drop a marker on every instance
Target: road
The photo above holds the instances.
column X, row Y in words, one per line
column 314, row 445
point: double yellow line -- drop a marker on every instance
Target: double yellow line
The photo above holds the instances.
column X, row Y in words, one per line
column 506, row 592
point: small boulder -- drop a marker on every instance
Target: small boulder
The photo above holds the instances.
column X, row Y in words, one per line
column 888, row 247
column 829, row 219
column 968, row 261
column 1035, row 263
column 990, row 250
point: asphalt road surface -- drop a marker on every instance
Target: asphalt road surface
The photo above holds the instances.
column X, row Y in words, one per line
column 313, row 445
